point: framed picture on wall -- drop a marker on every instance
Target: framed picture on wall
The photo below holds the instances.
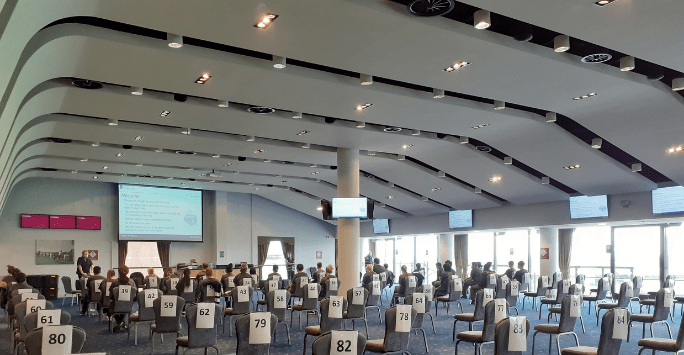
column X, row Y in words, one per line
column 54, row 252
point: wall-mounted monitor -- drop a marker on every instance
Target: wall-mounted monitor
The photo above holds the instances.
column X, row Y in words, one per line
column 88, row 222
column 588, row 207
column 460, row 219
column 62, row 222
column 350, row 207
column 381, row 226
column 668, row 200
column 35, row 221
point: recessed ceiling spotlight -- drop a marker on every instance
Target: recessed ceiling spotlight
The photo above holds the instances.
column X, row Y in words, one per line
column 189, row 169
column 119, row 155
column 415, row 132
column 636, row 167
column 407, row 146
column 135, row 90
column 251, row 138
column 216, row 156
column 596, row 143
column 278, row 62
column 139, row 164
column 604, row 2
column 481, row 126
column 482, row 19
column 435, row 189
column 585, row 96
column 363, row 107
column 266, row 21
column 571, row 167
column 95, row 144
column 251, row 184
column 313, row 165
column 561, row 43
column 495, row 179
column 267, row 160
column 212, row 180
column 223, row 103
column 182, row 183
column 360, row 124
column 174, row 41
column 138, row 138
column 164, row 113
column 306, row 145
column 74, row 171
column 366, row 79
column 159, row 150
column 315, row 173
column 389, row 197
column 671, row 150
column 456, row 66
column 84, row 159
column 437, row 93
column 508, row 160
column 186, row 131
column 392, row 129
column 203, row 79
column 284, row 181
column 499, row 105
column 303, row 133
column 297, row 115
column 113, row 122
column 627, row 63
column 169, row 178
column 259, row 151
column 260, row 110
column 319, row 208
column 105, row 167
column 550, row 117
column 678, row 84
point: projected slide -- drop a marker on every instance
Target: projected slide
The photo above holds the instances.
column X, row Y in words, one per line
column 460, row 219
column 588, row 207
column 155, row 213
column 668, row 200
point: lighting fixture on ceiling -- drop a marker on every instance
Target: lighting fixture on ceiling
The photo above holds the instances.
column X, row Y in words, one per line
column 186, row 131
column 306, row 145
column 169, row 178
column 360, row 124
column 296, row 115
column 189, row 169
column 371, row 153
column 284, row 181
column 596, row 58
column 267, row 160
column 182, row 183
column 315, row 173
column 319, row 208
column 119, row 155
column 105, row 167
column 164, row 113
column 278, row 62
column 259, row 151
column 463, row 140
column 495, row 179
column 216, row 156
column 138, row 138
column 113, row 122
column 390, row 184
column 550, row 117
column 483, row 19
column 407, row 146
column 84, row 159
column 499, row 105
column 203, row 79
column 313, row 165
column 223, row 103
column 596, row 143
column 441, row 174
column 627, row 63
column 604, row 2
column 561, row 43
column 266, row 21
column 251, row 138
column 303, row 133
column 636, row 167
column 435, row 189
column 95, row 144
column 401, row 157
column 415, row 132
column 671, row 150
column 571, row 167
column 389, row 197
column 481, row 126
column 260, row 110
column 366, row 79
column 363, row 107
column 74, row 171
column 678, row 84
column 586, row 96
column 392, row 129
column 136, row 90
column 227, row 164
column 139, row 164
column 424, row 198
column 545, row 180
column 174, row 41
column 94, row 177
column 212, row 180
column 159, row 150
column 477, row 190
column 437, row 93
column 380, row 204
column 508, row 160
column 456, row 66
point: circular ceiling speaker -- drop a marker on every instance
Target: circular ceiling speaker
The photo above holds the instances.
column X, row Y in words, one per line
column 429, row 8
column 86, row 84
column 597, row 58
column 483, row 148
column 392, row 129
column 185, row 152
column 260, row 110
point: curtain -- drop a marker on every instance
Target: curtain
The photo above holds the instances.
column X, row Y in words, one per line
column 163, row 250
column 564, row 249
column 263, row 251
column 123, row 251
column 461, row 255
column 288, row 248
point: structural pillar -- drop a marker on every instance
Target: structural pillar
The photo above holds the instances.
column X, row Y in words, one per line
column 348, row 229
column 446, row 248
column 548, row 238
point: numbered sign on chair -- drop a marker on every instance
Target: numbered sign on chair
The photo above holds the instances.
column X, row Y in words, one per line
column 343, row 342
column 97, row 285
column 279, row 299
column 22, row 291
column 578, row 289
column 669, row 297
column 419, row 302
column 29, row 296
column 551, row 293
column 255, row 280
column 273, row 285
column 150, row 296
column 210, row 291
column 174, row 282
column 383, row 277
column 231, row 281
column 335, row 307
column 34, row 305
column 515, row 288
column 427, row 289
column 243, row 294
column 168, row 306
column 606, row 284
column 517, row 333
column 566, row 286
column 575, row 306
column 545, row 281
column 629, row 291
column 260, row 328
column 457, row 285
column 376, row 277
column 153, row 282
column 639, row 282
column 500, row 309
column 49, row 317
column 246, row 282
column 620, row 323
column 454, row 277
column 412, row 281
column 57, row 340
column 488, row 295
column 276, row 278
column 403, row 314
column 333, row 284
column 376, row 288
column 492, row 279
column 504, row 281
column 312, row 290
column 357, row 296
column 526, row 278
column 189, row 288
column 109, row 285
column 205, row 315
column 125, row 293
column 303, row 281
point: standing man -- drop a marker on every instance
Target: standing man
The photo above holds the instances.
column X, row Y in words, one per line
column 368, row 259
column 377, row 268
column 84, row 265
column 511, row 270
column 290, row 266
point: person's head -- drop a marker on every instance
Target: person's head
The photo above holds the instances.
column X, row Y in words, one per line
column 479, row 265
column 329, row 269
column 243, row 268
column 10, row 269
column 300, row 267
column 85, row 253
column 123, row 270
column 209, row 272
column 229, row 268
column 403, row 270
column 473, row 264
column 511, row 264
column 418, row 267
column 20, row 278
column 150, row 271
column 275, row 268
column 447, row 267
column 488, row 266
column 369, row 268
column 252, row 271
column 385, row 266
column 110, row 274
column 319, row 265
column 438, row 264
column 377, row 261
column 168, row 271
column 97, row 270
column 205, row 265
column 521, row 265
column 16, row 271
column 186, row 273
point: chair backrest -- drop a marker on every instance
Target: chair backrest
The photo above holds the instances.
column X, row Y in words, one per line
column 123, row 306
column 501, row 333
column 204, row 290
column 202, row 337
column 329, row 290
column 671, row 278
column 511, row 299
column 580, row 279
column 393, row 340
column 280, row 313
column 637, row 284
column 66, row 281
column 680, row 335
column 611, row 280
column 501, row 282
column 566, row 323
column 607, row 345
column 168, row 324
column 298, row 291
column 454, row 295
column 356, row 310
column 242, row 329
column 170, row 289
column 580, row 293
column 146, row 313
column 660, row 312
column 557, row 277
column 241, row 307
column 34, row 341
column 541, row 290
column 489, row 321
column 322, row 345
column 418, row 320
column 32, row 317
column 602, row 291
column 372, row 299
column 669, row 282
column 560, row 295
column 309, row 303
column 626, row 293
column 138, row 278
column 95, row 293
column 490, row 281
column 479, row 306
column 189, row 297
column 327, row 323
column 409, row 289
column 149, row 280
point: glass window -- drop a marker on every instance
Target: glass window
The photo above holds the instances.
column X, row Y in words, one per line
column 511, row 246
column 635, row 256
column 274, row 257
column 675, row 245
column 385, row 251
column 533, row 267
column 404, row 254
column 480, row 248
column 427, row 254
column 588, row 255
column 141, row 256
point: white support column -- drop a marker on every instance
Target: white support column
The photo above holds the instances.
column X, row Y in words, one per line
column 446, row 247
column 548, row 239
column 348, row 229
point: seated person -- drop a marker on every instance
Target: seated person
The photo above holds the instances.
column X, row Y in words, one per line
column 319, row 273
column 295, row 280
column 419, row 276
column 484, row 281
column 328, row 275
column 151, row 274
column 377, row 268
column 229, row 271
column 111, row 277
column 474, row 279
column 122, row 280
column 275, row 274
column 403, row 282
column 390, row 275
column 210, row 281
column 86, row 299
column 520, row 274
column 368, row 276
column 511, row 271
column 446, row 274
column 438, row 266
column 20, row 279
column 168, row 274
column 200, row 275
column 252, row 274
column 244, row 274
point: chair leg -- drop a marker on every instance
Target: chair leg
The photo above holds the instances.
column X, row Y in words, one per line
column 456, row 348
column 453, row 336
column 550, row 342
column 460, row 306
column 365, row 323
column 433, row 323
column 427, row 350
column 448, row 304
column 582, row 322
column 597, row 316
column 304, row 350
column 668, row 329
column 534, row 337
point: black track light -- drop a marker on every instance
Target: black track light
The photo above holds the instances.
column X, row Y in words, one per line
column 242, row 158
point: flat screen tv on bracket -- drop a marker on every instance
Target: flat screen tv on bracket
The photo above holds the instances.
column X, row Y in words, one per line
column 381, row 226
column 582, row 207
column 460, row 219
column 668, row 200
column 62, row 222
column 35, row 221
column 350, row 207
column 88, row 222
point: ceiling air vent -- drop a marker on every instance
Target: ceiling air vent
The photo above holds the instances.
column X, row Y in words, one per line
column 597, row 58
column 392, row 129
column 60, row 140
column 429, row 8
column 185, row 152
column 86, row 84
column 483, row 148
column 261, row 110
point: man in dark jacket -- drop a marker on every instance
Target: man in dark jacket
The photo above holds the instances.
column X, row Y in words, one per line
column 511, row 270
column 390, row 275
column 474, row 279
column 377, row 268
column 520, row 274
column 295, row 280
column 419, row 276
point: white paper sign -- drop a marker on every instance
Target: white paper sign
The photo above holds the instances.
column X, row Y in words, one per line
column 333, row 284
column 49, row 317
column 566, row 286
column 22, row 291
column 303, row 281
column 504, row 282
column 629, row 291
column 109, row 284
column 246, row 282
column 259, row 328
column 552, row 294
column 427, row 290
column 376, row 288
column 376, row 277
column 205, row 315
column 488, row 295
column 526, row 278
column 457, row 285
column 343, row 342
column 335, row 307
column 231, row 281
column 580, row 279
column 210, row 291
column 454, row 277
column 412, row 281
column 125, row 293
column 620, row 323
column 383, row 277
column 153, row 282
column 97, row 285
column 168, row 306
column 255, row 281
column 517, row 333
column 276, row 278
column 515, row 288
column 150, row 295
column 273, row 285
column 639, row 281
column 57, row 340
column 606, row 284
column 174, row 282
column 34, row 305
column 189, row 288
column 312, row 290
column 357, row 296
column 419, row 302
column 575, row 305
column 403, row 324
column 29, row 296
column 492, row 279
column 669, row 297
column 243, row 294
column 545, row 281
column 500, row 310
column 279, row 299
